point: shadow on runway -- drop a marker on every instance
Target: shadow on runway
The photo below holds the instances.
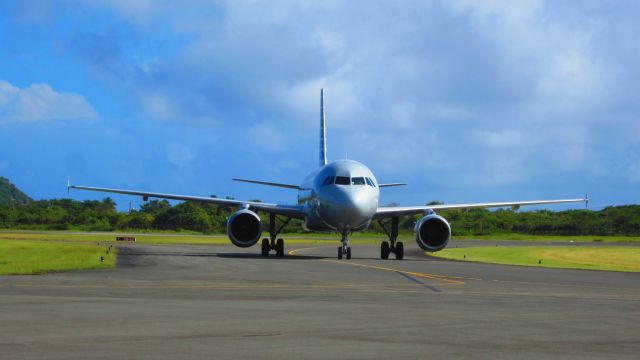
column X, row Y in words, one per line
column 221, row 255
column 412, row 255
column 259, row 256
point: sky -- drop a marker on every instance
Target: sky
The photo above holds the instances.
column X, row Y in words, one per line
column 466, row 101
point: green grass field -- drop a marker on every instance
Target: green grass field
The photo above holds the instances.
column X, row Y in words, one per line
column 552, row 238
column 33, row 257
column 569, row 257
column 169, row 238
column 25, row 252
column 291, row 238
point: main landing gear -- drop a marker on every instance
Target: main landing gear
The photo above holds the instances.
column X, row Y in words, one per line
column 345, row 249
column 392, row 246
column 272, row 243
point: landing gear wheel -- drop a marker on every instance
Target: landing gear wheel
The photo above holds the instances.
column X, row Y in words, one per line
column 265, row 247
column 349, row 253
column 384, row 250
column 280, row 247
column 399, row 250
column 340, row 253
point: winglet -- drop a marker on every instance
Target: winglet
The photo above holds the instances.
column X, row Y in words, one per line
column 68, row 185
column 586, row 201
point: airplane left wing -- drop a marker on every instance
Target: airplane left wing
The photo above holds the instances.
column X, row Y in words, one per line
column 411, row 210
column 293, row 211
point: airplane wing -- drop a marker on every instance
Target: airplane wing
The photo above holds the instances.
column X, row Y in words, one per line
column 293, row 211
column 411, row 210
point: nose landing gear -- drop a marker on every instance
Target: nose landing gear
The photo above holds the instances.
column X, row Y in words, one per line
column 345, row 249
column 392, row 246
column 272, row 243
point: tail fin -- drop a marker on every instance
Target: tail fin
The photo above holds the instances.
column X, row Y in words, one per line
column 323, row 132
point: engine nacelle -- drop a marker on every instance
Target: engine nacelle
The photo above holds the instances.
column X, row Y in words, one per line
column 244, row 228
column 432, row 233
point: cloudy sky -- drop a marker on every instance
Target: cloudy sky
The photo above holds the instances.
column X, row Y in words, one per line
column 465, row 100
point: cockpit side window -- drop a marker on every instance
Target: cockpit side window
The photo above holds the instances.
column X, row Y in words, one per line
column 328, row 180
column 342, row 180
column 357, row 181
column 370, row 182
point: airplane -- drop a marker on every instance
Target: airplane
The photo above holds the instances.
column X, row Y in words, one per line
column 339, row 196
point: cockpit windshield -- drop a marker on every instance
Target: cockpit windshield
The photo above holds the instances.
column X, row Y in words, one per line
column 342, row 180
column 345, row 180
column 357, row 181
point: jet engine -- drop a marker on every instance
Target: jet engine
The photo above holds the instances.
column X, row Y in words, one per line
column 244, row 228
column 432, row 232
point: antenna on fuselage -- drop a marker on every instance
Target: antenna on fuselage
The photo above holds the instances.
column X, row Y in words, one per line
column 323, row 132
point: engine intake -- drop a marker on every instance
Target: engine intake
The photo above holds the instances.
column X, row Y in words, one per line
column 432, row 233
column 244, row 228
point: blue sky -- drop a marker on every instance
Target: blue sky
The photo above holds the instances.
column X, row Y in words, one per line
column 467, row 101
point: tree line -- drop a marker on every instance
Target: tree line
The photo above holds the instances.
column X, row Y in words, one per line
column 92, row 215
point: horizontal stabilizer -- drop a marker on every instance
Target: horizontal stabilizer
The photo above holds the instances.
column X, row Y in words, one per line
column 287, row 186
column 391, row 184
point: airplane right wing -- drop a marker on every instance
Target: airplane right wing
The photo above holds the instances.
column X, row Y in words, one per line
column 294, row 211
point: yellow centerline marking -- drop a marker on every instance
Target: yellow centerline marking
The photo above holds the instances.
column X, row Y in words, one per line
column 447, row 279
column 294, row 252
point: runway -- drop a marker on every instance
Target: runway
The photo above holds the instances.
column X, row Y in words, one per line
column 225, row 302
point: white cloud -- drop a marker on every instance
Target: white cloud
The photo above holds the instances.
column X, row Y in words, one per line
column 267, row 137
column 40, row 103
column 502, row 90
column 179, row 155
column 158, row 105
column 503, row 139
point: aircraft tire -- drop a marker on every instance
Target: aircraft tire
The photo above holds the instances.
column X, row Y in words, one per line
column 280, row 247
column 349, row 253
column 399, row 250
column 384, row 250
column 340, row 253
column 265, row 247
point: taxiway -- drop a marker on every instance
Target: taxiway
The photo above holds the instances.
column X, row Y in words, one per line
column 221, row 302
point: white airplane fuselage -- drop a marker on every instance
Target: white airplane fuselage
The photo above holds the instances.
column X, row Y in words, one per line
column 341, row 196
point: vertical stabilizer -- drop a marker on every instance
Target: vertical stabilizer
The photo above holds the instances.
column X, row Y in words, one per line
column 323, row 132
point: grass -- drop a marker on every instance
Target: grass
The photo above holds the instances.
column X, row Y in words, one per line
column 27, row 252
column 552, row 238
column 168, row 238
column 291, row 238
column 588, row 258
column 34, row 257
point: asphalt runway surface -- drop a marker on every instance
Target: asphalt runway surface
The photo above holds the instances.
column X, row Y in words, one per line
column 208, row 302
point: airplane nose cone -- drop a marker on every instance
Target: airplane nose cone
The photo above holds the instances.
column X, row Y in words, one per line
column 347, row 209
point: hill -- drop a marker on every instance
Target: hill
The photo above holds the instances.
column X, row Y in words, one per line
column 10, row 194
